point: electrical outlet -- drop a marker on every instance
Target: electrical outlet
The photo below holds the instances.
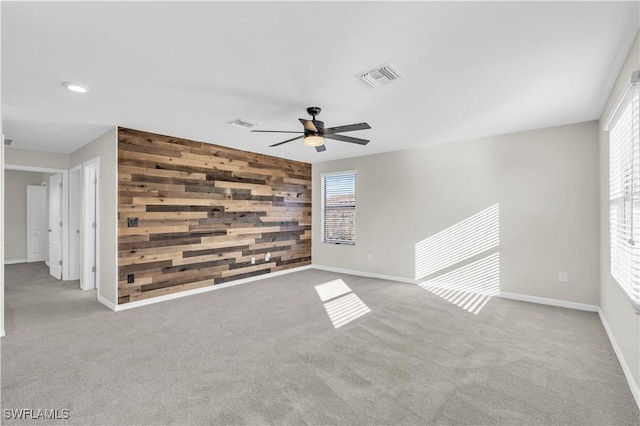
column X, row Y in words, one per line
column 253, row 260
column 563, row 277
column 132, row 222
column 267, row 257
column 130, row 278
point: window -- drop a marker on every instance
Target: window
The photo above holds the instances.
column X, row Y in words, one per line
column 339, row 208
column 624, row 193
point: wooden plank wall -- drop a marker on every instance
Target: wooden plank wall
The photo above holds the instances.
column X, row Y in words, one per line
column 203, row 211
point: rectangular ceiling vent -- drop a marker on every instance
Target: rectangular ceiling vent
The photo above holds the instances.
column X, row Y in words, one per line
column 8, row 142
column 241, row 123
column 384, row 74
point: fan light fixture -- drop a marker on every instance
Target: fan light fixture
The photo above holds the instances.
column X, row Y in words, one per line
column 75, row 87
column 313, row 140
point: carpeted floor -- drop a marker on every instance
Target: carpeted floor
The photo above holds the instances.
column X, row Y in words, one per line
column 268, row 353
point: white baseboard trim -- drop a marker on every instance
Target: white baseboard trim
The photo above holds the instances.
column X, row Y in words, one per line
column 635, row 389
column 153, row 300
column 550, row 302
column 512, row 296
column 364, row 274
column 106, row 302
column 15, row 261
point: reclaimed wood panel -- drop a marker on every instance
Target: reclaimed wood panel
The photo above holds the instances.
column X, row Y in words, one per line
column 192, row 214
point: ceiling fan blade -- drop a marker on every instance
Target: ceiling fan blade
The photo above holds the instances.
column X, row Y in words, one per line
column 321, row 148
column 308, row 125
column 288, row 140
column 275, row 131
column 347, row 128
column 346, row 139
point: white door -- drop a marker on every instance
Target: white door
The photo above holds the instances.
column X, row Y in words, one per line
column 75, row 222
column 36, row 222
column 55, row 226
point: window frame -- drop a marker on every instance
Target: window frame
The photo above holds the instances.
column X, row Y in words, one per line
column 624, row 223
column 323, row 177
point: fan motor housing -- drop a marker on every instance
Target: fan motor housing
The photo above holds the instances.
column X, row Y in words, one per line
column 313, row 111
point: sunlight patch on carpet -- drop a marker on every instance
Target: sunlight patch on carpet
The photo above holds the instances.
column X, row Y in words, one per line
column 332, row 289
column 341, row 304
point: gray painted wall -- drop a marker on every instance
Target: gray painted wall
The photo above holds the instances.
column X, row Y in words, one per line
column 544, row 181
column 105, row 147
column 21, row 157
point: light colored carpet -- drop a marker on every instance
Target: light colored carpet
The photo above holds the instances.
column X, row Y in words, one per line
column 267, row 353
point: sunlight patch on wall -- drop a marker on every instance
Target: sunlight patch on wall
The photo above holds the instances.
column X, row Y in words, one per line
column 461, row 241
column 341, row 304
column 471, row 286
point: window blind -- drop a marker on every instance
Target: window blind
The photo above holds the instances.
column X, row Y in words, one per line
column 339, row 208
column 624, row 194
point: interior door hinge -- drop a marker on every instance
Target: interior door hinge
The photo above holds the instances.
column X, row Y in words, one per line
column 60, row 263
column 93, row 269
column 60, row 184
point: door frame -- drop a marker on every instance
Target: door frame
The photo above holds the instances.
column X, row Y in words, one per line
column 42, row 193
column 90, row 204
column 75, row 222
column 65, row 207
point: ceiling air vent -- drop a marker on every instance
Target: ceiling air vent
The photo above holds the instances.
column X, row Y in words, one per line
column 241, row 123
column 382, row 75
column 8, row 142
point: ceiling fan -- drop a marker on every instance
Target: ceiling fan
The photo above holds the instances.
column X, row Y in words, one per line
column 315, row 133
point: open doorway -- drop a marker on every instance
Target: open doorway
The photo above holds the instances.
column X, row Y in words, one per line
column 30, row 218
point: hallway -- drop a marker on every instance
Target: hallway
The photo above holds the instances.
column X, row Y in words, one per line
column 42, row 300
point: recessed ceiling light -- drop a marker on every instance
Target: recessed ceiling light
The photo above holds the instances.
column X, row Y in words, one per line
column 76, row 87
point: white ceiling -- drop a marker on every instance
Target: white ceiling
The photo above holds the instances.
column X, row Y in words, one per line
column 185, row 68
